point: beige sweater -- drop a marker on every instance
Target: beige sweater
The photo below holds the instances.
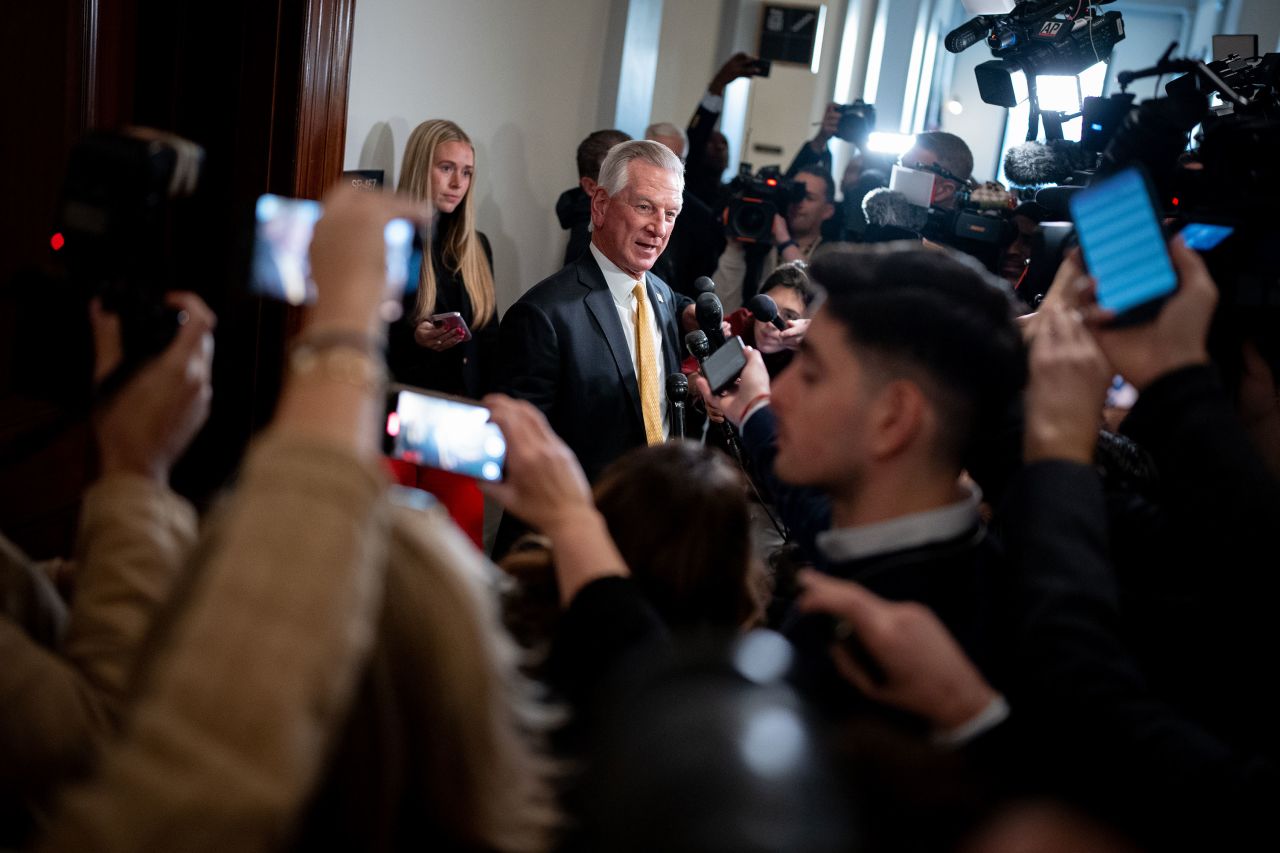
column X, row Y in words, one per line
column 61, row 691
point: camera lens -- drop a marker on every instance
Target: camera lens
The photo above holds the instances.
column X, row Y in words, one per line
column 751, row 219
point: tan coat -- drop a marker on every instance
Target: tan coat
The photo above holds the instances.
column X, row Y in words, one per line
column 64, row 675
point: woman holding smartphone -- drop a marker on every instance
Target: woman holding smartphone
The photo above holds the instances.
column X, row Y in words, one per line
column 447, row 337
column 446, row 340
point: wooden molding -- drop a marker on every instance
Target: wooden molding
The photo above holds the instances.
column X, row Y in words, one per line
column 324, row 74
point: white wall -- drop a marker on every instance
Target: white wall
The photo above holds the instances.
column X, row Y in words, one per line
column 785, row 106
column 687, row 57
column 1263, row 18
column 522, row 78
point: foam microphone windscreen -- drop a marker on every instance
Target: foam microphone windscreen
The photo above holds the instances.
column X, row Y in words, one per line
column 889, row 209
column 703, row 284
column 1032, row 164
column 677, row 387
column 710, row 314
column 698, row 345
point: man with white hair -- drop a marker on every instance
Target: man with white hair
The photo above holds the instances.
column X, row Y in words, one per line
column 592, row 345
column 698, row 238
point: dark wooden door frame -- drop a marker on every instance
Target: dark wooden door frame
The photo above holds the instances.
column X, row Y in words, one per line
column 324, row 80
column 102, row 60
column 263, row 84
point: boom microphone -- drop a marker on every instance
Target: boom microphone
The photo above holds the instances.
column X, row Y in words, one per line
column 1033, row 164
column 710, row 314
column 764, row 309
column 889, row 209
column 703, row 284
column 968, row 34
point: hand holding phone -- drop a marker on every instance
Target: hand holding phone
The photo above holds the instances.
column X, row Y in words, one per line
column 723, row 366
column 1124, row 246
column 1177, row 337
column 290, row 233
column 443, row 432
column 440, row 332
column 452, row 321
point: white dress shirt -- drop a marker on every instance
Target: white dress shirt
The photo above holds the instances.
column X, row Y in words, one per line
column 620, row 285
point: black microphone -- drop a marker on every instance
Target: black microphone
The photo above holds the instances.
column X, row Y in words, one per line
column 710, row 314
column 764, row 309
column 1057, row 201
column 699, row 346
column 703, row 284
column 967, row 34
column 677, row 393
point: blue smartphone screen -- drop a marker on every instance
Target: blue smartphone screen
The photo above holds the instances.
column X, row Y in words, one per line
column 448, row 434
column 282, row 251
column 1122, row 242
column 1202, row 237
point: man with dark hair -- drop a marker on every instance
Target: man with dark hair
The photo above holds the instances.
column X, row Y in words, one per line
column 573, row 208
column 945, row 151
column 864, row 437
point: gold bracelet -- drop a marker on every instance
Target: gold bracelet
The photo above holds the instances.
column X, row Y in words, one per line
column 338, row 364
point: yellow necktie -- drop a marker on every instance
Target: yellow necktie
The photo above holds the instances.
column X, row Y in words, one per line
column 647, row 369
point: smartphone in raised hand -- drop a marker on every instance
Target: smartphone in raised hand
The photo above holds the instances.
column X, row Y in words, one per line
column 443, row 432
column 1124, row 247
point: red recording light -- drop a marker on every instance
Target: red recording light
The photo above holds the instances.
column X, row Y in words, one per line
column 773, row 182
column 393, row 424
column 1175, row 201
column 57, row 241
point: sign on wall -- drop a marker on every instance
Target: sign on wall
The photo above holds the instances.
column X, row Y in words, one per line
column 789, row 33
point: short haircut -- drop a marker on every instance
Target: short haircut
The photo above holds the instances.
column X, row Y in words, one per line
column 667, row 129
column 792, row 276
column 830, row 194
column 615, row 170
column 592, row 151
column 914, row 311
column 952, row 152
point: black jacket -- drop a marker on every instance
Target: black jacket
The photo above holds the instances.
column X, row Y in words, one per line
column 465, row 370
column 573, row 209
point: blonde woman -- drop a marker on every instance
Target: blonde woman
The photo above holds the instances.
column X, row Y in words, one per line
column 453, row 354
column 442, row 355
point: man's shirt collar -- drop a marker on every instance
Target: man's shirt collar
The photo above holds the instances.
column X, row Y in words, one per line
column 620, row 284
column 907, row 531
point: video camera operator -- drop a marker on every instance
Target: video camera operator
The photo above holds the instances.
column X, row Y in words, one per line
column 797, row 236
column 938, row 148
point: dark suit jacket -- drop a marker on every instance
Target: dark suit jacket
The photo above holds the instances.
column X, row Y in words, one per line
column 563, row 349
